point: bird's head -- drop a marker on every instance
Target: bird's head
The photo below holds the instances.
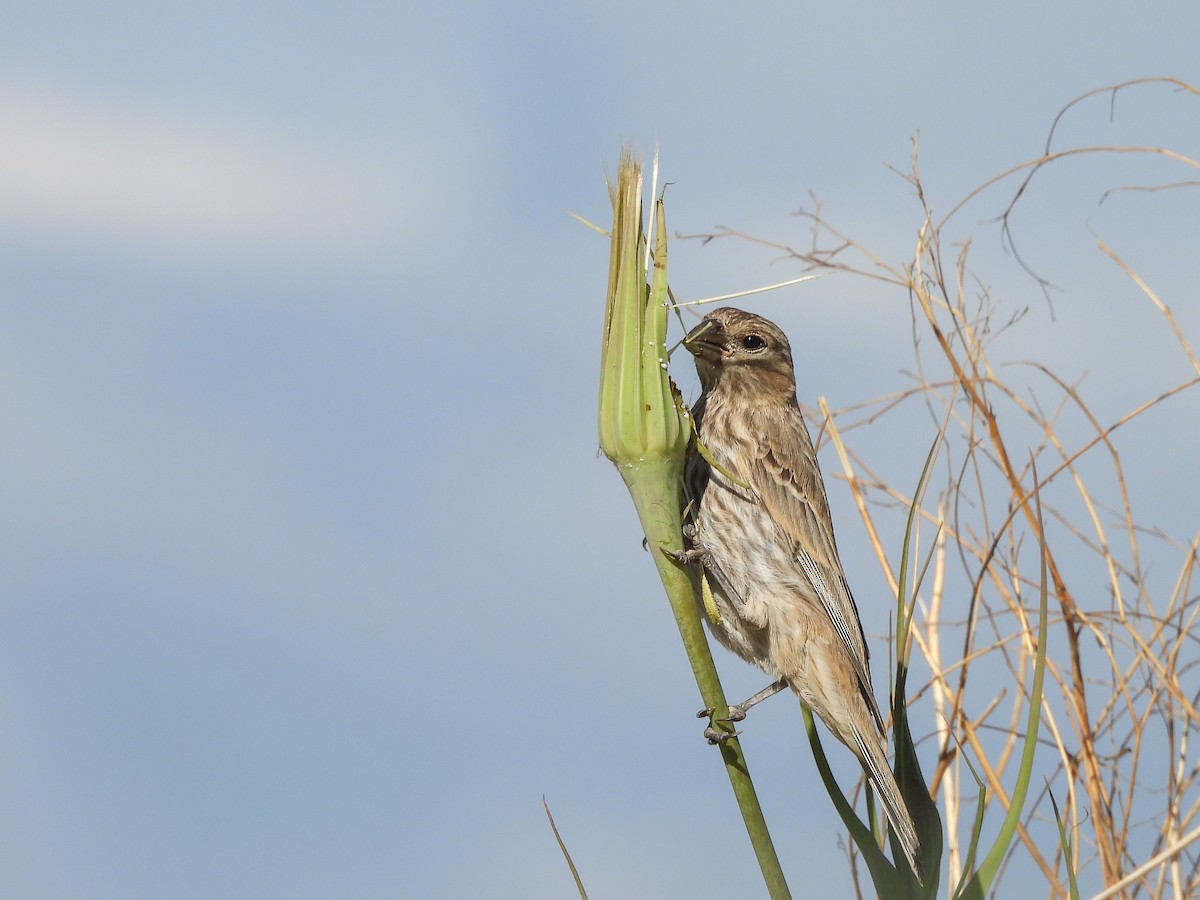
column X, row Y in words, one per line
column 744, row 354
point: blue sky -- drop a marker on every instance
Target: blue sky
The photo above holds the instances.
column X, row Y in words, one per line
column 312, row 582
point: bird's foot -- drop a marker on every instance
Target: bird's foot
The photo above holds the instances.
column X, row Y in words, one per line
column 687, row 557
column 736, row 714
column 715, row 735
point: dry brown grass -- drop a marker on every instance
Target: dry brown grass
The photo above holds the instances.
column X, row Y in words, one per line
column 1120, row 713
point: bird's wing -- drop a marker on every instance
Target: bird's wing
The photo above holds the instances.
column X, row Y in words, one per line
column 784, row 473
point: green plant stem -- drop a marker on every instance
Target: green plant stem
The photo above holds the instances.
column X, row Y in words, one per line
column 644, row 430
column 654, row 488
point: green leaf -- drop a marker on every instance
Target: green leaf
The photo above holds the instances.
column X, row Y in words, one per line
column 909, row 778
column 887, row 879
column 980, row 882
column 1065, row 841
column 563, row 848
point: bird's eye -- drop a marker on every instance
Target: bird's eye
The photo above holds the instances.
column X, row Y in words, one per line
column 753, row 343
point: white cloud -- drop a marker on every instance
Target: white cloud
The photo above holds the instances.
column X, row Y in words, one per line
column 94, row 168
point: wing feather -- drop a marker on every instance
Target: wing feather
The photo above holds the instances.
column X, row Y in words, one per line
column 784, row 473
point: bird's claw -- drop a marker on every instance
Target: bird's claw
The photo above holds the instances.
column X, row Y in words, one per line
column 736, row 714
column 686, row 557
column 715, row 736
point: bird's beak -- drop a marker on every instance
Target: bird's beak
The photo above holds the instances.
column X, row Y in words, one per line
column 706, row 339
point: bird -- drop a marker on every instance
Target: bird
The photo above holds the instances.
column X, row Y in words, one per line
column 760, row 527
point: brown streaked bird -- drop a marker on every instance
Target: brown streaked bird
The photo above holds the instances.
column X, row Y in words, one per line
column 767, row 544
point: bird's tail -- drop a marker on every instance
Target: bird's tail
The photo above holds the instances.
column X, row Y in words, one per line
column 884, row 783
